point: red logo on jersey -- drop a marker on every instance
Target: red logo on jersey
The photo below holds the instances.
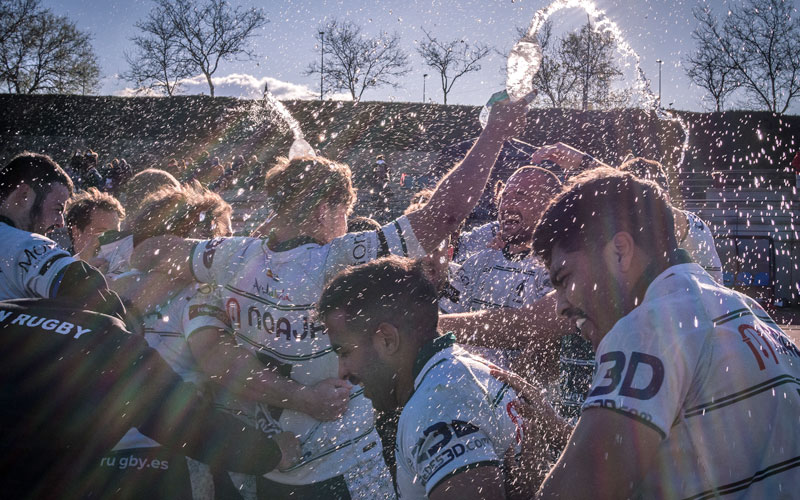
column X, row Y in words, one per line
column 234, row 312
column 513, row 413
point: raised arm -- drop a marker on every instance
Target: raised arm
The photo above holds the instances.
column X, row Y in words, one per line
column 459, row 191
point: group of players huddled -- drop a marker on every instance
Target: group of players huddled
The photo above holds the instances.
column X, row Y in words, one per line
column 581, row 346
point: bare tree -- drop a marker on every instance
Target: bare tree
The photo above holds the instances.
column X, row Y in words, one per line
column 203, row 34
column 42, row 52
column 158, row 61
column 760, row 42
column 554, row 83
column 589, row 56
column 707, row 65
column 452, row 59
column 356, row 62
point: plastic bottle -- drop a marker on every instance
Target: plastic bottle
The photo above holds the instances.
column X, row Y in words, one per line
column 301, row 148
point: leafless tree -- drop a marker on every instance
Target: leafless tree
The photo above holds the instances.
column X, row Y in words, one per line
column 589, row 56
column 356, row 62
column 452, row 59
column 760, row 42
column 707, row 65
column 158, row 61
column 555, row 85
column 195, row 37
column 42, row 52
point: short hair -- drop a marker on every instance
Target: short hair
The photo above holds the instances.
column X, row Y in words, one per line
column 36, row 170
column 551, row 184
column 295, row 187
column 597, row 204
column 419, row 200
column 143, row 184
column 388, row 290
column 650, row 170
column 79, row 208
column 180, row 211
column 361, row 224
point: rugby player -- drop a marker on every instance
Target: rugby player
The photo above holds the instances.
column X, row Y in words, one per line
column 74, row 381
column 457, row 422
column 270, row 288
column 695, row 394
column 87, row 216
column 33, row 191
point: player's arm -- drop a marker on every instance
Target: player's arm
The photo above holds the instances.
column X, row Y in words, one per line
column 459, row 191
column 507, row 328
column 481, row 482
column 607, row 457
column 240, row 371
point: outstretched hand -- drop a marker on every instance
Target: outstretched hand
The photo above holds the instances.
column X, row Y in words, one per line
column 290, row 449
column 327, row 399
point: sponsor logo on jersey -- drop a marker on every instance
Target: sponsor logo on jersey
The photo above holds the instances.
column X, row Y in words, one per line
column 33, row 254
column 210, row 250
column 766, row 344
column 637, row 361
column 208, row 310
column 270, row 291
column 281, row 326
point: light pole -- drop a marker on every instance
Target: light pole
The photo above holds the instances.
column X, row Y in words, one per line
column 424, row 77
column 321, row 62
column 660, row 62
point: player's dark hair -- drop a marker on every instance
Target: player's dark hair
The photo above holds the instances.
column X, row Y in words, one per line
column 599, row 203
column 650, row 170
column 79, row 208
column 36, row 170
column 389, row 290
column 361, row 224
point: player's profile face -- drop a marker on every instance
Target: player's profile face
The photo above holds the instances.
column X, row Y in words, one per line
column 100, row 221
column 583, row 285
column 51, row 215
column 359, row 363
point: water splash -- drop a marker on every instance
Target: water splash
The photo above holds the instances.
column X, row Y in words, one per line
column 601, row 24
column 269, row 109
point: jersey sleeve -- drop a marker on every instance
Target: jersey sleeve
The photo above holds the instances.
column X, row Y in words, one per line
column 445, row 440
column 395, row 238
column 219, row 259
column 646, row 365
column 204, row 310
column 452, row 296
column 37, row 267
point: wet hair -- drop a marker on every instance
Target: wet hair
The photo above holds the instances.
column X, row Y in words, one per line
column 389, row 290
column 180, row 211
column 597, row 204
column 36, row 170
column 650, row 170
column 79, row 208
column 295, row 187
column 144, row 183
column 419, row 200
column 360, row 224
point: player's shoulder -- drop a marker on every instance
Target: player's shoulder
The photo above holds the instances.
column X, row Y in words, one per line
column 13, row 238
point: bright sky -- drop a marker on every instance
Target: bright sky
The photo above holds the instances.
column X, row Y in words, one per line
column 655, row 29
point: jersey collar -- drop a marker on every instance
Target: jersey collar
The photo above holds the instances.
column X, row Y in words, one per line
column 6, row 220
column 652, row 271
column 430, row 349
column 516, row 257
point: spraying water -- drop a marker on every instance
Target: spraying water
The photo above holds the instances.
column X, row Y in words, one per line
column 526, row 57
column 270, row 108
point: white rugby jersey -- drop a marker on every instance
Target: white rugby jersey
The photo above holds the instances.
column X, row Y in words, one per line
column 116, row 248
column 270, row 297
column 475, row 241
column 491, row 278
column 699, row 242
column 168, row 327
column 30, row 264
column 459, row 417
column 711, row 372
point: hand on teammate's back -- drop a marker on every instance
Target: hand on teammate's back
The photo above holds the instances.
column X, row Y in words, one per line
column 327, row 399
column 290, row 449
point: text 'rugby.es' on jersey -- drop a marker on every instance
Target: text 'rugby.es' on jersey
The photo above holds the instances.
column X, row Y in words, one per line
column 270, row 296
column 708, row 370
column 458, row 418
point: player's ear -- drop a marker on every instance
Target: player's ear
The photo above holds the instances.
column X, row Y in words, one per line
column 386, row 340
column 624, row 248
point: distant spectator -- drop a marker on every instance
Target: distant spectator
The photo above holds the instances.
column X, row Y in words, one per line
column 91, row 173
column 796, row 167
column 120, row 173
column 87, row 216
